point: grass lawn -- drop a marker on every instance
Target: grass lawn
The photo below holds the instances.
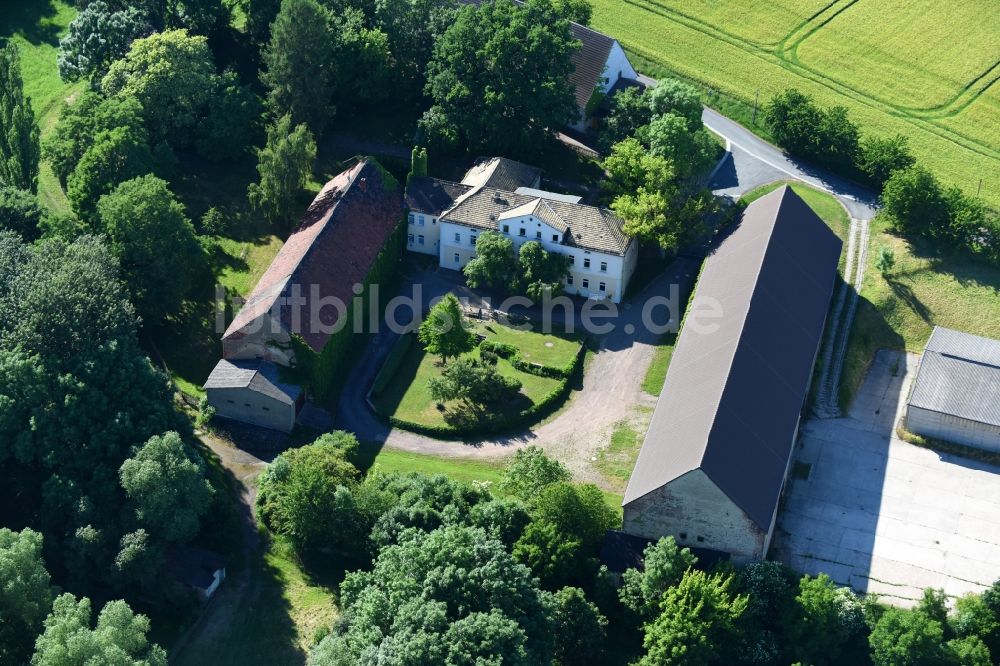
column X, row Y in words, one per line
column 408, row 396
column 898, row 311
column 656, row 373
column 618, row 459
column 921, row 68
column 467, row 470
column 35, row 26
column 533, row 346
column 824, row 205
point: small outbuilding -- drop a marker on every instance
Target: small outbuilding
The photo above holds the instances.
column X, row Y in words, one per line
column 196, row 568
column 956, row 395
column 251, row 391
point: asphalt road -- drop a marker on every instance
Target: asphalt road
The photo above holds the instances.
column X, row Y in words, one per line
column 755, row 162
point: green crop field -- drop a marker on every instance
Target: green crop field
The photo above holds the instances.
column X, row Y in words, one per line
column 927, row 69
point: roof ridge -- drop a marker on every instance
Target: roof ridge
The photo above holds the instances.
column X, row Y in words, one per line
column 743, row 323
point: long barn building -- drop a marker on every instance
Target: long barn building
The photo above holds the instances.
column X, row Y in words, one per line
column 714, row 462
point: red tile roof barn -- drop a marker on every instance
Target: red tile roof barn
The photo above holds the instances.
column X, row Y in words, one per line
column 338, row 240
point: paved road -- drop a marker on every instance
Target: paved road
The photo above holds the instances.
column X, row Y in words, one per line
column 757, row 162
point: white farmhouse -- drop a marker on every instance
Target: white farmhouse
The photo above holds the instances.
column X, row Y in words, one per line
column 501, row 195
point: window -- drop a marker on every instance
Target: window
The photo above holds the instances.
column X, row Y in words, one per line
column 420, row 220
column 569, row 279
column 246, row 404
column 409, row 238
column 603, row 287
column 506, row 228
column 420, row 239
column 472, row 240
column 586, row 283
column 457, row 258
column 555, row 238
column 434, row 220
column 458, row 237
column 521, row 232
column 586, row 262
column 538, row 235
column 412, row 217
column 230, row 402
column 701, row 539
column 572, row 260
column 604, row 267
column 266, row 409
column 683, row 535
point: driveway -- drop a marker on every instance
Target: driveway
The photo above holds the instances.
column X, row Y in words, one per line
column 611, row 391
column 885, row 516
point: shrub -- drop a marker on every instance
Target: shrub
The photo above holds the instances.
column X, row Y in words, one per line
column 501, row 349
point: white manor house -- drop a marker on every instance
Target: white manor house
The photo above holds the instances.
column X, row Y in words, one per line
column 502, row 195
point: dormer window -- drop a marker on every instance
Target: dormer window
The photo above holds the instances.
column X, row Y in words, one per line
column 555, row 238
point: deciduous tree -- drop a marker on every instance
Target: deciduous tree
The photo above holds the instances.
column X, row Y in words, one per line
column 691, row 151
column 154, row 241
column 495, row 263
column 116, row 155
column 443, row 332
column 171, row 74
column 539, row 271
column 907, row 638
column 664, row 565
column 120, row 636
column 79, row 124
column 529, row 471
column 677, row 98
column 453, row 595
column 880, row 157
column 499, row 78
column 305, row 495
column 167, row 490
column 20, row 212
column 25, row 593
column 697, row 621
column 474, row 383
column 284, row 164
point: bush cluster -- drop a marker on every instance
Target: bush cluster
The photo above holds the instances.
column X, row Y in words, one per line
column 828, row 137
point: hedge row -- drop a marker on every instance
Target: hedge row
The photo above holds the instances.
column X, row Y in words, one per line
column 500, row 424
column 510, row 352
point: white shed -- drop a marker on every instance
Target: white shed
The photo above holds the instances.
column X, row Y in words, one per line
column 956, row 395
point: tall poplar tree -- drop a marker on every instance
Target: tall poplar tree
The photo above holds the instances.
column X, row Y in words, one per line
column 19, row 146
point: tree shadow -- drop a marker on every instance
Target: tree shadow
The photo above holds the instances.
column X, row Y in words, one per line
column 906, row 294
column 31, row 19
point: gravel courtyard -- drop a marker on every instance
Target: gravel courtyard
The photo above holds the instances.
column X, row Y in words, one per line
column 885, row 516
